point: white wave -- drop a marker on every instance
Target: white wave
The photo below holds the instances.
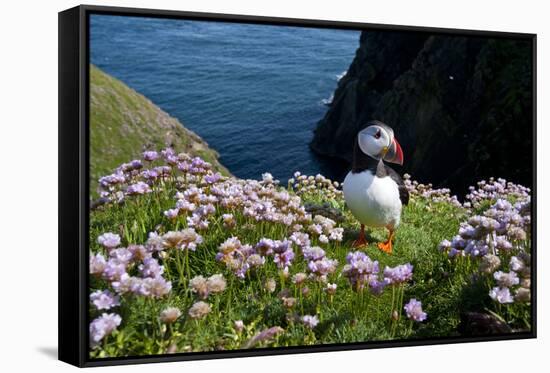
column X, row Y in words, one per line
column 340, row 76
column 328, row 101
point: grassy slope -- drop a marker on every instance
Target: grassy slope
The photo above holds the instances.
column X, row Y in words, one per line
column 436, row 282
column 124, row 122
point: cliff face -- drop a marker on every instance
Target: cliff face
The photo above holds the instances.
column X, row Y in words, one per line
column 460, row 107
column 123, row 123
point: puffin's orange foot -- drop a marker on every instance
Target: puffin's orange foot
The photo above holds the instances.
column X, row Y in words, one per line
column 360, row 242
column 385, row 246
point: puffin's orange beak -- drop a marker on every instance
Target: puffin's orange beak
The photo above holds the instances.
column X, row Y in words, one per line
column 395, row 153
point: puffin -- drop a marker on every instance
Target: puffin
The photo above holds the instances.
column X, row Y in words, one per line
column 374, row 192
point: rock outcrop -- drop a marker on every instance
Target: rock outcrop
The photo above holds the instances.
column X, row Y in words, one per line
column 461, row 107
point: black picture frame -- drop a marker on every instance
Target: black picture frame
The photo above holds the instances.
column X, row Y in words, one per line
column 74, row 184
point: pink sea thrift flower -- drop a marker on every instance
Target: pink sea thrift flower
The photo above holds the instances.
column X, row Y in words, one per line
column 501, row 295
column 97, row 264
column 310, row 321
column 399, row 274
column 103, row 326
column 109, row 240
column 414, row 312
column 150, row 155
column 104, row 300
column 138, row 188
column 170, row 315
column 155, row 287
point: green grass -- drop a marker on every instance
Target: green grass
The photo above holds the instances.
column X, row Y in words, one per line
column 123, row 123
column 444, row 286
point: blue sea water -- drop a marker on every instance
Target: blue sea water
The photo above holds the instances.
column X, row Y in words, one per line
column 253, row 92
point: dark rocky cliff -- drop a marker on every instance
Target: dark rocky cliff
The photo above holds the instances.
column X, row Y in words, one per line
column 461, row 107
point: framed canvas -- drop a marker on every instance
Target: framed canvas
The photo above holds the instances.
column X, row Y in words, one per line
column 233, row 186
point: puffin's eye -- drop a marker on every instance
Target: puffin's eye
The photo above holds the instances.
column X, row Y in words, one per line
column 377, row 134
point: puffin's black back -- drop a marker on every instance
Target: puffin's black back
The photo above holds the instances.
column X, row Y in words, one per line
column 403, row 191
column 362, row 162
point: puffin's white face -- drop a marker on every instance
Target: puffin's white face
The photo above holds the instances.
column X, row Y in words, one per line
column 379, row 143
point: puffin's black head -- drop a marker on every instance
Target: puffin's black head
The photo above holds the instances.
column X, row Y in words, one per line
column 375, row 140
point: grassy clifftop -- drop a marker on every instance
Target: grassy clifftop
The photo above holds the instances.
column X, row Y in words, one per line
column 124, row 123
column 200, row 263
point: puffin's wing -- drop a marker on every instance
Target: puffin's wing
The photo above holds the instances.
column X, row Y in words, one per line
column 403, row 192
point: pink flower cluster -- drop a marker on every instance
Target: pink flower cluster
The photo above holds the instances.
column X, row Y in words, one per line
column 499, row 238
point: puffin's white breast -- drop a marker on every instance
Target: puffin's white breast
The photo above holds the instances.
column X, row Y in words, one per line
column 374, row 201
